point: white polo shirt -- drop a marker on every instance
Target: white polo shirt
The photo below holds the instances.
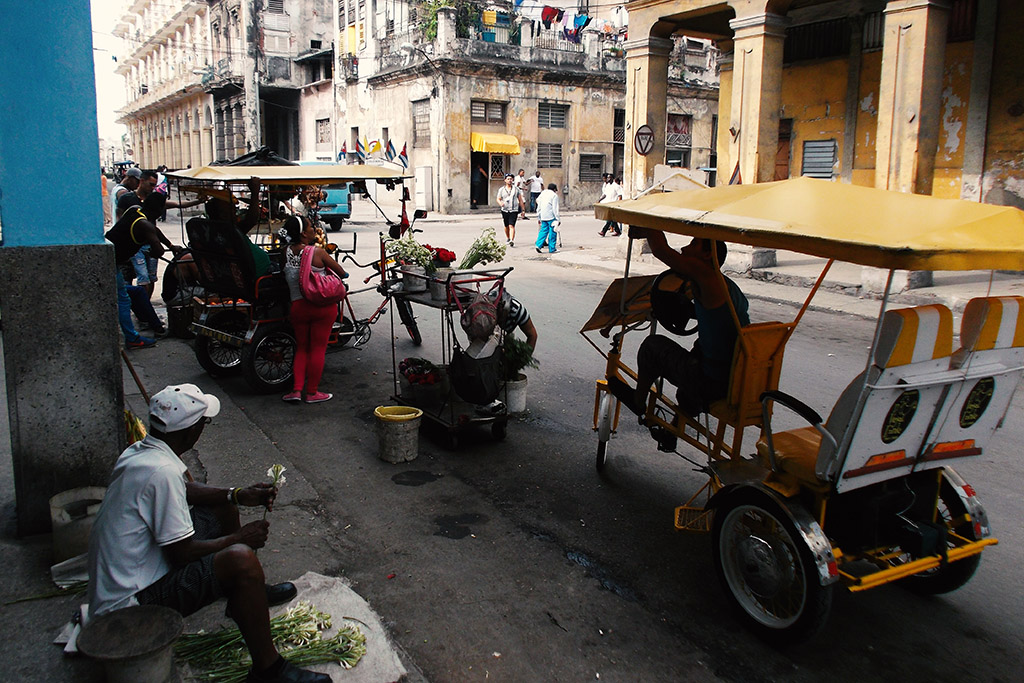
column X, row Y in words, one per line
column 144, row 509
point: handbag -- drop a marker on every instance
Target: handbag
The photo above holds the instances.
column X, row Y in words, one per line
column 321, row 289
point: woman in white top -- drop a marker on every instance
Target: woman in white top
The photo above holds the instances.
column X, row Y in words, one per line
column 510, row 201
column 311, row 323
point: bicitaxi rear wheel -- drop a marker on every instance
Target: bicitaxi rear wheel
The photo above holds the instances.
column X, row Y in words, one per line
column 267, row 360
column 767, row 569
column 604, row 429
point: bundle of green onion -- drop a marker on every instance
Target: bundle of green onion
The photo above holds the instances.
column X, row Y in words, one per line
column 297, row 634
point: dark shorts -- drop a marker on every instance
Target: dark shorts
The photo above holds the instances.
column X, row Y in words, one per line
column 684, row 368
column 189, row 588
column 510, row 217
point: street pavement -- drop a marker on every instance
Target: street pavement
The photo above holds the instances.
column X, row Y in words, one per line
column 304, row 537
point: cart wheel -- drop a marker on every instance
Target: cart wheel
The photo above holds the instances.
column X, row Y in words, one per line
column 216, row 357
column 768, row 570
column 405, row 314
column 499, row 429
column 346, row 331
column 604, row 430
column 267, row 360
column 952, row 575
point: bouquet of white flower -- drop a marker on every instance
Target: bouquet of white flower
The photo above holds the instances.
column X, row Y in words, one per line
column 410, row 252
column 485, row 249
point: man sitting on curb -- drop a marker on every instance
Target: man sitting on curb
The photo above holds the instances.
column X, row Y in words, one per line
column 160, row 539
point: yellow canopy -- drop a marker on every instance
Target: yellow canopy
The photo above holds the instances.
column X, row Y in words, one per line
column 497, row 143
column 841, row 221
column 314, row 174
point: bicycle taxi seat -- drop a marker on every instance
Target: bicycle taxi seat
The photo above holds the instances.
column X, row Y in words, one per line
column 226, row 266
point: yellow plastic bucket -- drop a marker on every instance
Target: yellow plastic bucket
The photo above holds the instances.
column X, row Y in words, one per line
column 398, row 432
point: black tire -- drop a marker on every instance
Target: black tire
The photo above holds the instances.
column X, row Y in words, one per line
column 409, row 320
column 267, row 361
column 604, row 428
column 499, row 430
column 334, row 224
column 345, row 331
column 767, row 569
column 948, row 577
column 216, row 357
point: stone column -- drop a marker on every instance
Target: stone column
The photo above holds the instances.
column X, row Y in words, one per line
column 976, row 132
column 646, row 97
column 756, row 96
column 910, row 94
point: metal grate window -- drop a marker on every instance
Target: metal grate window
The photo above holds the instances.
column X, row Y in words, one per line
column 819, row 158
column 591, row 167
column 874, row 31
column 323, row 131
column 549, row 155
column 487, row 112
column 421, row 123
column 499, row 162
column 677, row 130
column 619, row 126
column 815, row 41
column 275, row 6
column 551, row 115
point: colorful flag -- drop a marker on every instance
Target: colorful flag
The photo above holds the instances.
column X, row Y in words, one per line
column 360, row 150
column 390, row 152
column 373, row 147
column 343, row 154
column 736, row 179
column 403, row 158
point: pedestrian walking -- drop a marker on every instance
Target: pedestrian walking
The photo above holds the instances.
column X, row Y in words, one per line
column 510, row 201
column 611, row 192
column 547, row 216
column 536, row 187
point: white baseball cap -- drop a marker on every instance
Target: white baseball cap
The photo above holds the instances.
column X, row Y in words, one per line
column 180, row 406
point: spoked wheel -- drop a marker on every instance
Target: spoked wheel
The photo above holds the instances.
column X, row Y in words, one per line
column 267, row 361
column 951, row 575
column 768, row 570
column 409, row 320
column 604, row 429
column 216, row 357
column 346, row 330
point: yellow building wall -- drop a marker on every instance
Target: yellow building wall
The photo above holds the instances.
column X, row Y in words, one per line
column 813, row 95
column 725, row 162
column 956, row 95
column 867, row 119
column 1003, row 182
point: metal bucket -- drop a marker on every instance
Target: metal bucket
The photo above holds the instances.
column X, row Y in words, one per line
column 135, row 643
column 398, row 432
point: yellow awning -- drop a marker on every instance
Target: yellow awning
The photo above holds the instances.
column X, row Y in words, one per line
column 496, row 143
column 313, row 174
column 849, row 223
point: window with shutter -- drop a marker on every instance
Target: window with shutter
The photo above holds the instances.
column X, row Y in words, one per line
column 591, row 167
column 487, row 112
column 551, row 115
column 421, row 123
column 819, row 158
column 549, row 155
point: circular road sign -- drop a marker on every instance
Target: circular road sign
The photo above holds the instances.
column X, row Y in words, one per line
column 643, row 141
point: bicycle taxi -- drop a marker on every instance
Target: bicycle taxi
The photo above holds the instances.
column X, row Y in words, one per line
column 867, row 496
column 242, row 319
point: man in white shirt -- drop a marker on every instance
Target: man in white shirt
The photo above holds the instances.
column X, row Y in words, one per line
column 148, row 547
column 611, row 192
column 536, row 187
column 547, row 215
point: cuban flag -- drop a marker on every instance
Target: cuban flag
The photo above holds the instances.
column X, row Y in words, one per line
column 390, row 152
column 343, row 154
column 736, row 179
column 403, row 158
column 360, row 150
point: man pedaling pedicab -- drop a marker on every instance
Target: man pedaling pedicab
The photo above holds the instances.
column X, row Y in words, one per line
column 701, row 375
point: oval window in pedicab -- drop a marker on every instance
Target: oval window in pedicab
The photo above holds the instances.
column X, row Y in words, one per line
column 977, row 401
column 900, row 415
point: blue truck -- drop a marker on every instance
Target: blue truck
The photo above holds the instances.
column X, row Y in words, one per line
column 337, row 207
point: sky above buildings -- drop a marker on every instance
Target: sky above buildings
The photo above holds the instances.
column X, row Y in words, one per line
column 109, row 86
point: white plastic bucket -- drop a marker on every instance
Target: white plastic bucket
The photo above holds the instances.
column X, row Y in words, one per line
column 72, row 514
column 516, row 394
column 134, row 643
column 398, row 432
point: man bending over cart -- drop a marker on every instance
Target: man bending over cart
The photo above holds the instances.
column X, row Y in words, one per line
column 701, row 374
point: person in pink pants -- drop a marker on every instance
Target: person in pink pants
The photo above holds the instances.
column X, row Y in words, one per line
column 310, row 322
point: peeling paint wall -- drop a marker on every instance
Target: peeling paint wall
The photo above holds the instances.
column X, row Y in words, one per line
column 867, row 119
column 1003, row 181
column 956, row 94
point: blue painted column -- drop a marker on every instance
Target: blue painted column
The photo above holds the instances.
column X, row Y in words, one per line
column 59, row 321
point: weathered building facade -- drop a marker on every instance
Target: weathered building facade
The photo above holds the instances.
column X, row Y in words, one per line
column 462, row 91
column 211, row 80
column 913, row 95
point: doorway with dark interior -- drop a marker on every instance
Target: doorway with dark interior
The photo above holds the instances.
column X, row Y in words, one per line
column 478, row 179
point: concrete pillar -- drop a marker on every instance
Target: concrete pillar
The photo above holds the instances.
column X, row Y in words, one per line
column 910, row 94
column 646, row 97
column 756, row 95
column 62, row 371
column 976, row 132
column 445, row 30
column 248, row 124
column 196, row 158
column 852, row 99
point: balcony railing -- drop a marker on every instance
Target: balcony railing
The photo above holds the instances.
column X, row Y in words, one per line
column 555, row 40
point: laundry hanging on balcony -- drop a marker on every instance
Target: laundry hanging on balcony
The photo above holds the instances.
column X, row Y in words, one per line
column 495, row 143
